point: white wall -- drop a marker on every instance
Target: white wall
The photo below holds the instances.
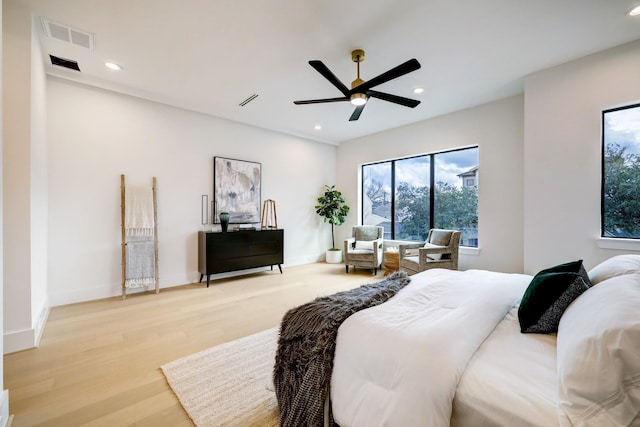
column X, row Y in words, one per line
column 24, row 188
column 39, row 188
column 4, row 394
column 96, row 135
column 497, row 129
column 562, row 153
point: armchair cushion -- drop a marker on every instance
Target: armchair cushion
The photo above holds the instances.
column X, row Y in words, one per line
column 432, row 255
column 367, row 244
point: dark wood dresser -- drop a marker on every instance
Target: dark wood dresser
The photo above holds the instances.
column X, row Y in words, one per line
column 238, row 250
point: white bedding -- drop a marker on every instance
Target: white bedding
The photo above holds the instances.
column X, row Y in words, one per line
column 430, row 330
column 509, row 367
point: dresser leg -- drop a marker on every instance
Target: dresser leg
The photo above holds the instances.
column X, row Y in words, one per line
column 208, row 276
column 280, row 267
column 201, row 276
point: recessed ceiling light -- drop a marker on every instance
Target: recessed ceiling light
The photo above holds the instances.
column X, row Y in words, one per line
column 113, row 66
column 317, row 127
column 418, row 90
column 635, row 11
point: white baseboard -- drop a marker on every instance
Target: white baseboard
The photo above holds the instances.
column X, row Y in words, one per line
column 4, row 408
column 19, row 340
column 110, row 290
column 26, row 338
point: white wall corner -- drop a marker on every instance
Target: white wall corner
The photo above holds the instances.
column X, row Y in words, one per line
column 42, row 321
column 4, row 408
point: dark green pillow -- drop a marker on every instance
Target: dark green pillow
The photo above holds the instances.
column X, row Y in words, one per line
column 549, row 294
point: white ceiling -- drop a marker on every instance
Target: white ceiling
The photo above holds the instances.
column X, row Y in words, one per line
column 209, row 55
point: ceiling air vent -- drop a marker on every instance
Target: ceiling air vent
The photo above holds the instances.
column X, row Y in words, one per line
column 67, row 34
column 248, row 100
column 66, row 63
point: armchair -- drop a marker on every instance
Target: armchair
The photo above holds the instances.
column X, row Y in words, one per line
column 364, row 248
column 439, row 251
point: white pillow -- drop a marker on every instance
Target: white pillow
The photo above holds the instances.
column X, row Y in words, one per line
column 433, row 256
column 615, row 266
column 598, row 355
column 364, row 244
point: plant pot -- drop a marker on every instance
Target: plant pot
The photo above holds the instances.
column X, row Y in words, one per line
column 334, row 257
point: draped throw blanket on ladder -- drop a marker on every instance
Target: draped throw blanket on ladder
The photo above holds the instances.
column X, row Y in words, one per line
column 139, row 236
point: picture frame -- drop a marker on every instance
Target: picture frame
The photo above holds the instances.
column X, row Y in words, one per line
column 237, row 187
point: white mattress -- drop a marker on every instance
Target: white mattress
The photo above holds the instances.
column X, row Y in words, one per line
column 510, row 381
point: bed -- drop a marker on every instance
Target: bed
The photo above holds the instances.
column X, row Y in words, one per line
column 448, row 350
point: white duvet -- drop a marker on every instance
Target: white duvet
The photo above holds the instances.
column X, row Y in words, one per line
column 399, row 363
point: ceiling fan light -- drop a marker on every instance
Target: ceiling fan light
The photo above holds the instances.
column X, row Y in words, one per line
column 358, row 99
column 635, row 11
column 113, row 66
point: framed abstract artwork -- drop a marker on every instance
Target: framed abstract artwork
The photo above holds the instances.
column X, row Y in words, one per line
column 236, row 190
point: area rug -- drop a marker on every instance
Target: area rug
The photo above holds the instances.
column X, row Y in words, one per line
column 226, row 385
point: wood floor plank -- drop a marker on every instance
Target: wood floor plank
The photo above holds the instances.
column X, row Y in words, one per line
column 98, row 362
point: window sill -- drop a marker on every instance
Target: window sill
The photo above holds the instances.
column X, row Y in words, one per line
column 621, row 244
column 467, row 250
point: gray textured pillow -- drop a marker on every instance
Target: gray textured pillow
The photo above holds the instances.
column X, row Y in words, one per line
column 366, row 233
column 440, row 237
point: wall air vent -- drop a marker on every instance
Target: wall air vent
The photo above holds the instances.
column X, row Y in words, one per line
column 248, row 100
column 67, row 34
column 66, row 63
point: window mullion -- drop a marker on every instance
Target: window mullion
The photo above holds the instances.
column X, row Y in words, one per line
column 432, row 196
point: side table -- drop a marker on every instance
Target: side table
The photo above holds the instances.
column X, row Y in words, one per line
column 391, row 261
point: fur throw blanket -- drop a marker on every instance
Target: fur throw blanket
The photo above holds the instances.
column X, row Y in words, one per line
column 306, row 346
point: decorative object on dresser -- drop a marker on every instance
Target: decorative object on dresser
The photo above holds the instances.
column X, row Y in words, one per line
column 333, row 209
column 269, row 215
column 204, row 209
column 139, row 229
column 224, row 221
column 236, row 190
column 239, row 250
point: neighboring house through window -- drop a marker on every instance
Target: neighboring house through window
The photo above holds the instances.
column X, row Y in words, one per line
column 409, row 196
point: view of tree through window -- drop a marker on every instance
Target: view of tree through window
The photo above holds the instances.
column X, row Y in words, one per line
column 410, row 196
column 621, row 172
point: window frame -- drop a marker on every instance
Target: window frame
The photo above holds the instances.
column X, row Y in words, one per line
column 603, row 238
column 432, row 186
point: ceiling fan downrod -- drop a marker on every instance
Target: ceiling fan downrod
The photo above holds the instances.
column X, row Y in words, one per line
column 357, row 56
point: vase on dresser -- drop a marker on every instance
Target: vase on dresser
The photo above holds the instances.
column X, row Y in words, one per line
column 224, row 221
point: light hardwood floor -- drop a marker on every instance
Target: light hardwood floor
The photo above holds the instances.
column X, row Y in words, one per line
column 98, row 362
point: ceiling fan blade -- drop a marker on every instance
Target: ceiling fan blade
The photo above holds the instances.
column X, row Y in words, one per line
column 327, row 74
column 356, row 113
column 400, row 70
column 407, row 102
column 320, row 101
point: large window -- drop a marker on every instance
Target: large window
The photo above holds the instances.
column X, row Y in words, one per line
column 412, row 195
column 621, row 172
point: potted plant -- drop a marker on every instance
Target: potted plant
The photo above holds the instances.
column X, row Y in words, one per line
column 333, row 209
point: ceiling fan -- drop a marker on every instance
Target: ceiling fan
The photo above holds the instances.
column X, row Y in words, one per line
column 360, row 90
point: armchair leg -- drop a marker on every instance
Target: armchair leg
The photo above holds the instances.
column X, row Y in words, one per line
column 346, row 266
column 375, row 271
